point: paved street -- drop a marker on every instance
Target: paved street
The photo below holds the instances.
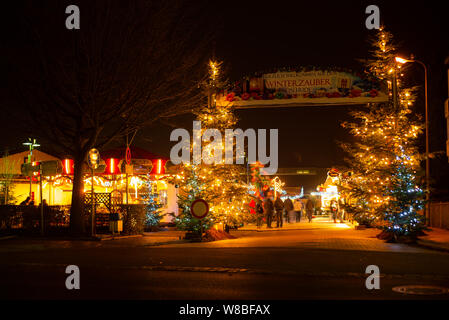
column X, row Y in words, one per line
column 320, row 260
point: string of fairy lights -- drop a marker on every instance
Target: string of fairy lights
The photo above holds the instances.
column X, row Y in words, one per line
column 219, row 183
column 385, row 156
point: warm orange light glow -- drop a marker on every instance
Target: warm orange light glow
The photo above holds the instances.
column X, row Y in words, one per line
column 401, row 60
column 35, row 164
column 158, row 167
column 113, row 166
column 68, row 166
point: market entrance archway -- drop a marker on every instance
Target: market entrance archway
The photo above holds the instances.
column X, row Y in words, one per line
column 304, row 88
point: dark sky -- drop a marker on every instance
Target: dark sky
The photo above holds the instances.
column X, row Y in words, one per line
column 255, row 36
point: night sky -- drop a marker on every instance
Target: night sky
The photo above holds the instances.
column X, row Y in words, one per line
column 258, row 36
column 254, row 36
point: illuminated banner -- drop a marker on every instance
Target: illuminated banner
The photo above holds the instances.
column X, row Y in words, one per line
column 304, row 88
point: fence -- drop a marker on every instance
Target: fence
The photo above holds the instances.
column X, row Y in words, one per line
column 439, row 215
column 27, row 219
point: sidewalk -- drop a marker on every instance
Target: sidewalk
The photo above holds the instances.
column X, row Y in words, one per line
column 437, row 239
column 320, row 222
column 323, row 227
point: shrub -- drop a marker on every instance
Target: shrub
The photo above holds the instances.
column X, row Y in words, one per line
column 133, row 218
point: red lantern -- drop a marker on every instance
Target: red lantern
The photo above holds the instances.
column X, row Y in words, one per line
column 158, row 166
column 112, row 166
column 67, row 166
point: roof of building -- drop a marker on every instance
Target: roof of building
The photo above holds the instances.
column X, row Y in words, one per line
column 11, row 164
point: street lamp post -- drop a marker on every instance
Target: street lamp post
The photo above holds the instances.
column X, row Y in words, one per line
column 32, row 144
column 41, row 198
column 403, row 61
column 93, row 159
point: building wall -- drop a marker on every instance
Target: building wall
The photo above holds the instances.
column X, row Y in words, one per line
column 172, row 203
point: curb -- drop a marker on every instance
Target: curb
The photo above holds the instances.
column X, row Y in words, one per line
column 96, row 238
column 432, row 245
column 118, row 237
column 267, row 230
column 8, row 237
column 283, row 229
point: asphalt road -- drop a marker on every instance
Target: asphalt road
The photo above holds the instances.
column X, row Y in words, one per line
column 134, row 269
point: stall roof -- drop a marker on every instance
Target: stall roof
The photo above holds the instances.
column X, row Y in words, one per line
column 11, row 164
column 136, row 153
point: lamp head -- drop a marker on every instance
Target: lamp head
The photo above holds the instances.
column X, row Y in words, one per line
column 32, row 143
column 401, row 60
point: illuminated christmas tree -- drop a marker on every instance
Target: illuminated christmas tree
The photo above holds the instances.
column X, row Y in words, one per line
column 382, row 185
column 192, row 185
column 220, row 184
column 152, row 209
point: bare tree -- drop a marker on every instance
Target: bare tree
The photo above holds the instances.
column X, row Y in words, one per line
column 7, row 173
column 131, row 63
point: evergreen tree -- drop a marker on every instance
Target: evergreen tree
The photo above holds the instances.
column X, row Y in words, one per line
column 152, row 208
column 220, row 184
column 192, row 185
column 382, row 185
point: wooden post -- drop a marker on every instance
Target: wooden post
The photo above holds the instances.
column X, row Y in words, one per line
column 42, row 201
column 93, row 204
column 127, row 190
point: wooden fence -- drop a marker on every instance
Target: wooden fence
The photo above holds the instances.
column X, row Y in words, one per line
column 439, row 215
column 27, row 219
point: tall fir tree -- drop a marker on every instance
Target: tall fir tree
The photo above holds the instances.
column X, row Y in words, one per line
column 383, row 183
column 220, row 184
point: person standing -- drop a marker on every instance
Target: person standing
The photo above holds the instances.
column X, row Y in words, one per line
column 288, row 206
column 341, row 210
column 279, row 207
column 334, row 210
column 268, row 209
column 297, row 207
column 259, row 212
column 309, row 209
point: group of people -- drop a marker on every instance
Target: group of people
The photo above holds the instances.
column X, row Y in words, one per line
column 276, row 209
column 30, row 202
column 27, row 202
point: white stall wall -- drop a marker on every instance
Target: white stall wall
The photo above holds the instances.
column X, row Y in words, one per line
column 172, row 203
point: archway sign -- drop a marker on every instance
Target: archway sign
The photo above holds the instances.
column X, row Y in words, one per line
column 304, row 87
